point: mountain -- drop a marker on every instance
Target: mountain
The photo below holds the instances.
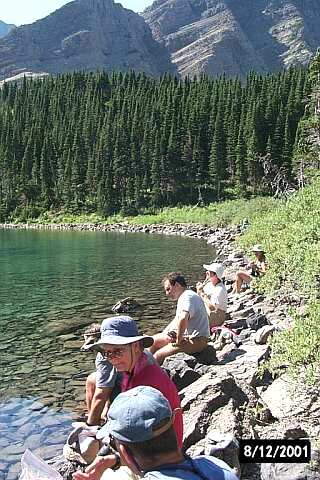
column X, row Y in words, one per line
column 190, row 37
column 235, row 36
column 83, row 35
column 5, row 28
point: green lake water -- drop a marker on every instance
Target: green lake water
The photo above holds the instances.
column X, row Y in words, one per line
column 52, row 285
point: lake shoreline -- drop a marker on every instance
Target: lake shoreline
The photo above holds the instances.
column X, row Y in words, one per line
column 237, row 370
column 182, row 229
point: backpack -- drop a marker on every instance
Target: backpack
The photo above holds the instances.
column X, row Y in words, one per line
column 256, row 321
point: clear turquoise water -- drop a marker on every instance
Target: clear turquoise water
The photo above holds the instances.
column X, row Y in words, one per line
column 52, row 285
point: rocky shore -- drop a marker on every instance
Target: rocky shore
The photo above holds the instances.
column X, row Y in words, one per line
column 224, row 396
column 183, row 229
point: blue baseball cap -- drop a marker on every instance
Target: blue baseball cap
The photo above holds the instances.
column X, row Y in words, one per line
column 120, row 330
column 137, row 416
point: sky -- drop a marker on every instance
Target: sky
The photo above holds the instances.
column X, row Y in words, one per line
column 20, row 12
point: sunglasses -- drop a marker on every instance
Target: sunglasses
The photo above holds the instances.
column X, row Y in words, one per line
column 169, row 287
column 116, row 353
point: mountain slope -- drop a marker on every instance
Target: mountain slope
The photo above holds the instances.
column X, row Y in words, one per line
column 5, row 28
column 235, row 36
column 83, row 35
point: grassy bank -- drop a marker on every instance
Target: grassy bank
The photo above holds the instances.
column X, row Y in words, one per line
column 290, row 235
column 231, row 212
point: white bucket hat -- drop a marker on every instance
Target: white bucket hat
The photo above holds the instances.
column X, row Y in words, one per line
column 217, row 268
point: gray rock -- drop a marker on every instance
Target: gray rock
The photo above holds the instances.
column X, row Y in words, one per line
column 201, row 399
column 185, row 369
column 292, row 471
column 285, row 398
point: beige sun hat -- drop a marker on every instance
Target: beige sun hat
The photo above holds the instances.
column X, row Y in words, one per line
column 81, row 446
column 257, row 248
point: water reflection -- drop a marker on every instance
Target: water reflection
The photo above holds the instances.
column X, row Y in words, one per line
column 33, row 423
column 52, row 285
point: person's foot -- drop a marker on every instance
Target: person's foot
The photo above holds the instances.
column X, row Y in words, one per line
column 83, row 417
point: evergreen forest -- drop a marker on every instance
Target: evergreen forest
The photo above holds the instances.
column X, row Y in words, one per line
column 110, row 143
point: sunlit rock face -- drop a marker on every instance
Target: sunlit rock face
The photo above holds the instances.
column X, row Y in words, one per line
column 235, row 36
column 84, row 35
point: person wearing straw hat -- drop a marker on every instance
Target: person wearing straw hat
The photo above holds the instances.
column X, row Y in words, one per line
column 214, row 294
column 255, row 269
column 140, row 422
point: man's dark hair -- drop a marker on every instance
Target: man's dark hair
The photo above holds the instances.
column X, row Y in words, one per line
column 175, row 277
column 161, row 445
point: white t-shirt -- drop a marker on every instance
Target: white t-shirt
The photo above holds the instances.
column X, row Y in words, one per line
column 218, row 295
column 190, row 302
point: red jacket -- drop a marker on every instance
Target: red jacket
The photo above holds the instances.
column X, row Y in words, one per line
column 154, row 376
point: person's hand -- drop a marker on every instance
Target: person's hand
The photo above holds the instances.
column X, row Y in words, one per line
column 199, row 287
column 181, row 339
column 172, row 336
column 96, row 469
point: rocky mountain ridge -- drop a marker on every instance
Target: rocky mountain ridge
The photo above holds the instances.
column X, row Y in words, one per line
column 5, row 28
column 233, row 37
column 188, row 37
column 83, row 35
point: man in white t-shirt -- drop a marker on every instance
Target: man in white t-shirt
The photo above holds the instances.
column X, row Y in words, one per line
column 214, row 293
column 189, row 330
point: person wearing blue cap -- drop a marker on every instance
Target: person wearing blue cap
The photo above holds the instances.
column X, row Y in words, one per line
column 140, row 421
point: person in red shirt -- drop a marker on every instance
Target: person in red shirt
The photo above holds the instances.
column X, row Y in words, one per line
column 123, row 346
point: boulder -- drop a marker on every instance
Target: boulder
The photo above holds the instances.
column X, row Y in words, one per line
column 185, row 369
column 285, row 398
column 292, row 471
column 204, row 397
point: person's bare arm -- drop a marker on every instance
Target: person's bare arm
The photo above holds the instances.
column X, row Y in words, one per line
column 101, row 396
column 182, row 323
column 206, row 298
column 263, row 267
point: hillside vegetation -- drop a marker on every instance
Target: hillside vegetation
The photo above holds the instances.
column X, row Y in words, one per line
column 290, row 235
column 124, row 143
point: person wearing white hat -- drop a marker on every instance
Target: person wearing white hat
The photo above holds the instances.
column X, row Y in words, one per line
column 214, row 293
column 255, row 269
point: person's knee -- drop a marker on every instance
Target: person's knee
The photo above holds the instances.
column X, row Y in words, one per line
column 91, row 381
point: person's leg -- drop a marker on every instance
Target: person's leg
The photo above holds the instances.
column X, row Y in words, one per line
column 195, row 345
column 217, row 318
column 241, row 277
column 160, row 340
column 90, row 389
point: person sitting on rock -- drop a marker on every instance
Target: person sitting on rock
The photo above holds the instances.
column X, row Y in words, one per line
column 214, row 294
column 255, row 268
column 123, row 346
column 140, row 422
column 189, row 330
column 99, row 384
